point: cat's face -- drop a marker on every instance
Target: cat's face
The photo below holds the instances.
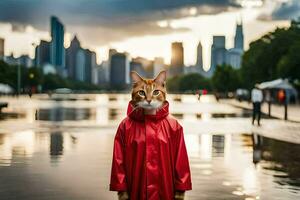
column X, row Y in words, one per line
column 148, row 93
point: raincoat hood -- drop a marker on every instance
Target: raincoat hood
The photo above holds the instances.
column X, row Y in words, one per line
column 137, row 113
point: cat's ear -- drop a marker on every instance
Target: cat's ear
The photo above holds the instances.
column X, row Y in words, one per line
column 161, row 78
column 135, row 77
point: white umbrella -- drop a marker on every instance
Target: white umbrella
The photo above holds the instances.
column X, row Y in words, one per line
column 6, row 89
column 276, row 84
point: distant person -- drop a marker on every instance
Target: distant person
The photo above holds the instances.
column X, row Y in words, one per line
column 256, row 98
column 198, row 93
column 281, row 96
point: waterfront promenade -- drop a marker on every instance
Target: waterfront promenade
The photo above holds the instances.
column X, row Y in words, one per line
column 62, row 149
column 277, row 111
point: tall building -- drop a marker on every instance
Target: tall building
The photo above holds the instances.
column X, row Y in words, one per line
column 42, row 54
column 199, row 68
column 219, row 41
column 177, row 60
column 57, row 50
column 199, row 55
column 103, row 73
column 80, row 62
column 90, row 64
column 2, row 42
column 147, row 66
column 234, row 55
column 119, row 70
column 138, row 67
column 159, row 65
column 111, row 52
column 107, row 66
column 80, row 65
column 71, row 54
column 239, row 37
column 218, row 53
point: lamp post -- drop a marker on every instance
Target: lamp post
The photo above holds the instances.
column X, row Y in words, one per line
column 31, row 77
column 285, row 106
column 19, row 79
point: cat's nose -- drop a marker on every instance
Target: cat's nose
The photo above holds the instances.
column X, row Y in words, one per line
column 148, row 100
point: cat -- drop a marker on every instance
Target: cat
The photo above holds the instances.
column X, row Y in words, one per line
column 149, row 94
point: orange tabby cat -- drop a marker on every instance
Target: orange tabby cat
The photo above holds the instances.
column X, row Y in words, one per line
column 149, row 94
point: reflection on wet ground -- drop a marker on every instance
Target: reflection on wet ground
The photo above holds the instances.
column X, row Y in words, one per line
column 61, row 114
column 76, row 114
column 75, row 164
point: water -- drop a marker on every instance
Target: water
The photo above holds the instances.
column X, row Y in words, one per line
column 62, row 150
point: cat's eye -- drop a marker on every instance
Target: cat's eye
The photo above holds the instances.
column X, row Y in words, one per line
column 156, row 92
column 142, row 93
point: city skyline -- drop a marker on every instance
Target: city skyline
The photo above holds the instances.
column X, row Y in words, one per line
column 80, row 64
column 146, row 35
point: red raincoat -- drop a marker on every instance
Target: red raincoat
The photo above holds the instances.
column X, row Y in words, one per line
column 149, row 158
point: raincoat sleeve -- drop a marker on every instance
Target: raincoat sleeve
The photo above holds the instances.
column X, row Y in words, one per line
column 182, row 167
column 118, row 176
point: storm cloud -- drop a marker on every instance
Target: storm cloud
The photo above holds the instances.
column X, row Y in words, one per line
column 99, row 22
column 287, row 10
column 100, row 12
column 114, row 19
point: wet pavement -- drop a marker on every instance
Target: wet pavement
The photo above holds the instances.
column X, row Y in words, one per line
column 276, row 110
column 62, row 150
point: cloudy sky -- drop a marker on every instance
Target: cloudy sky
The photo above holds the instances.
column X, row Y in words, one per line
column 141, row 27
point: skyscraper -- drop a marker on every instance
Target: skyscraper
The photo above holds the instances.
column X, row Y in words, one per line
column 90, row 63
column 234, row 55
column 57, row 50
column 42, row 53
column 218, row 53
column 71, row 54
column 177, row 60
column 239, row 37
column 111, row 52
column 107, row 65
column 199, row 68
column 138, row 67
column 199, row 55
column 219, row 41
column 147, row 66
column 119, row 70
column 80, row 65
column 103, row 73
column 1, row 48
column 80, row 62
column 159, row 65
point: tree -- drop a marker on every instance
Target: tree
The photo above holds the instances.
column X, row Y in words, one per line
column 33, row 77
column 173, row 84
column 225, row 79
column 192, row 82
column 289, row 64
column 272, row 56
column 188, row 83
